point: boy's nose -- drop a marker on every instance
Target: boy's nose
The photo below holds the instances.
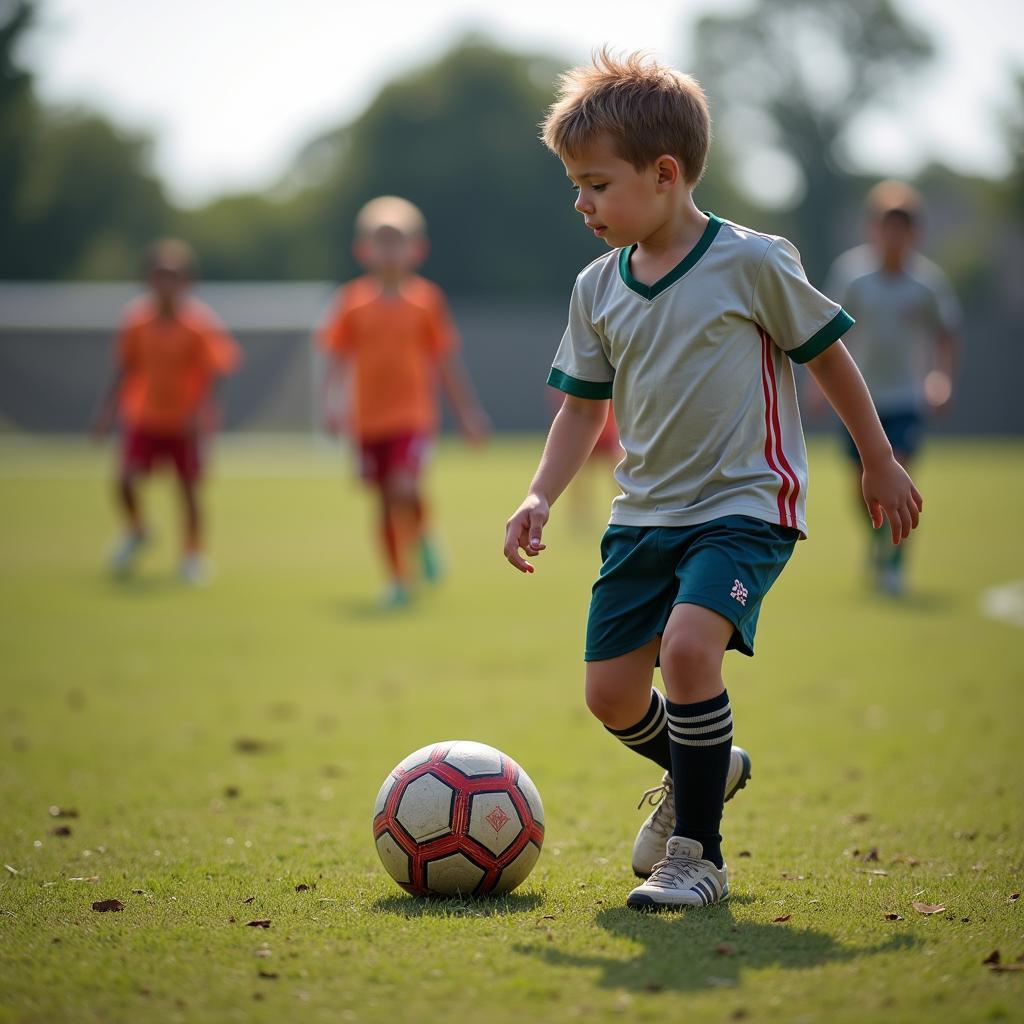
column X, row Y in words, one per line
column 582, row 205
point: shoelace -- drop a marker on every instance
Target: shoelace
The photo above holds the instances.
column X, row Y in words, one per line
column 671, row 870
column 664, row 818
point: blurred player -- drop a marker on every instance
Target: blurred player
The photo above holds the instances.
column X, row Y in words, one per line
column 169, row 355
column 904, row 342
column 390, row 340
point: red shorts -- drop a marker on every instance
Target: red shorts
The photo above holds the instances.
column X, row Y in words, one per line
column 142, row 451
column 379, row 460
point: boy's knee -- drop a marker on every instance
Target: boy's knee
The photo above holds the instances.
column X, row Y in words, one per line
column 605, row 702
column 689, row 656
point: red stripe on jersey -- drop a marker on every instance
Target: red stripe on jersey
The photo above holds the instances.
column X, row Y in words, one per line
column 773, row 452
column 786, row 467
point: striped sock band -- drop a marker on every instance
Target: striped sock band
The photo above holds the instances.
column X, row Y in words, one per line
column 649, row 737
column 701, row 730
column 700, row 745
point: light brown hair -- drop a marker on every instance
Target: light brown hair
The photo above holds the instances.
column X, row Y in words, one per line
column 391, row 212
column 646, row 108
column 893, row 196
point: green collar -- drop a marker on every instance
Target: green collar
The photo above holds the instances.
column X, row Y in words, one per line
column 653, row 290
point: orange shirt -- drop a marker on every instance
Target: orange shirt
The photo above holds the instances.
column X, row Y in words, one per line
column 169, row 363
column 394, row 345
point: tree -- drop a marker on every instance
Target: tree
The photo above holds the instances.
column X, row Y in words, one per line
column 789, row 78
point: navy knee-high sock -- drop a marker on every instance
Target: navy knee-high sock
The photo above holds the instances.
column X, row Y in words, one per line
column 649, row 737
column 700, row 741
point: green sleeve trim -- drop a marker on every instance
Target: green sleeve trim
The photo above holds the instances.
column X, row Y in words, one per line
column 579, row 388
column 817, row 343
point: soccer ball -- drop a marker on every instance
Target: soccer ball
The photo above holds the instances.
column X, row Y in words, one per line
column 458, row 818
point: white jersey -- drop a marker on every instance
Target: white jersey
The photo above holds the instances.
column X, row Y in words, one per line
column 899, row 316
column 698, row 369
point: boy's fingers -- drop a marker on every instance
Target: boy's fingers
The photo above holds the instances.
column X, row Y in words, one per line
column 918, row 500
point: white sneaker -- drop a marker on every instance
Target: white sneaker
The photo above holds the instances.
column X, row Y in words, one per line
column 892, row 582
column 681, row 879
column 194, row 570
column 125, row 551
column 649, row 845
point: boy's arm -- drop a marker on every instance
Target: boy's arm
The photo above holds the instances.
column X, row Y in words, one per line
column 106, row 411
column 333, row 397
column 574, row 432
column 459, row 390
column 888, row 491
column 938, row 384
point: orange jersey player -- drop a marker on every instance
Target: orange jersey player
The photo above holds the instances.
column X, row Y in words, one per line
column 170, row 352
column 391, row 342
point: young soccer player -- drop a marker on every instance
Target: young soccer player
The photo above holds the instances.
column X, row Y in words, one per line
column 170, row 353
column 905, row 341
column 689, row 326
column 390, row 338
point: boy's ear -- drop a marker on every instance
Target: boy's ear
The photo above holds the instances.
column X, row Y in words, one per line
column 669, row 170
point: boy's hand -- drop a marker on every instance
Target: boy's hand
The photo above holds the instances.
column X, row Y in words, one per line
column 938, row 390
column 523, row 532
column 889, row 493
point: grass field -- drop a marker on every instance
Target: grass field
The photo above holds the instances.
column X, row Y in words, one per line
column 223, row 746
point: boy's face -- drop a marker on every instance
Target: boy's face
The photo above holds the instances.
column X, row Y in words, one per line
column 167, row 284
column 620, row 204
column 390, row 252
column 895, row 235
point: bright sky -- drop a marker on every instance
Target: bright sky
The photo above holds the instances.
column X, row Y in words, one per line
column 231, row 89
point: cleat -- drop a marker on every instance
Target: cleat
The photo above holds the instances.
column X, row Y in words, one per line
column 649, row 845
column 681, row 879
column 194, row 571
column 126, row 551
column 396, row 596
column 430, row 561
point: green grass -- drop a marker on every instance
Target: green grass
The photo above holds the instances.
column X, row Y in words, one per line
column 872, row 724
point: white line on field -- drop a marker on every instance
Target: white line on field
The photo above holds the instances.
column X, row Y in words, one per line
column 1005, row 603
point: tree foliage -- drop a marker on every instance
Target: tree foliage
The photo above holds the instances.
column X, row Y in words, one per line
column 794, row 75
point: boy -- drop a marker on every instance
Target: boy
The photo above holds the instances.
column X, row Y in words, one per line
column 170, row 353
column 905, row 340
column 391, row 334
column 688, row 326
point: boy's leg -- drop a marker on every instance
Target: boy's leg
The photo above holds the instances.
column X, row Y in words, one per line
column 692, row 872
column 136, row 460
column 401, row 532
column 184, row 454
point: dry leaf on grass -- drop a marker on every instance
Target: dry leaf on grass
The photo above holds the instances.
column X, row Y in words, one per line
column 13, row 871
column 724, row 949
column 928, row 908
column 249, row 899
column 302, row 887
column 251, row 745
column 57, row 811
column 261, row 923
column 857, row 818
column 1013, row 897
column 267, row 974
column 102, row 906
column 893, row 916
column 60, row 830
column 779, row 920
column 871, row 855
column 231, row 792
column 992, row 958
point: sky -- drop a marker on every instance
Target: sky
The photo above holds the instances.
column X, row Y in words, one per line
column 231, row 89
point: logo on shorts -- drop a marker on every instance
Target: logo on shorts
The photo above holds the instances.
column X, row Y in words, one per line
column 739, row 593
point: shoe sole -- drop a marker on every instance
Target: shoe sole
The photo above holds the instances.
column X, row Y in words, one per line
column 741, row 784
column 648, row 905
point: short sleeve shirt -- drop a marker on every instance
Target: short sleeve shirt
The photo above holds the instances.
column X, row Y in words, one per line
column 394, row 344
column 168, row 364
column 899, row 316
column 699, row 370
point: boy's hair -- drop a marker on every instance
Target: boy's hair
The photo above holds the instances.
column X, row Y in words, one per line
column 646, row 108
column 170, row 254
column 893, row 197
column 390, row 212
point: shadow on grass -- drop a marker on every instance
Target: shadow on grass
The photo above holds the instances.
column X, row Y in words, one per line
column 484, row 906
column 698, row 949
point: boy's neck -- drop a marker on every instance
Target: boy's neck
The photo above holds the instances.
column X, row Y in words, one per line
column 391, row 282
column 670, row 243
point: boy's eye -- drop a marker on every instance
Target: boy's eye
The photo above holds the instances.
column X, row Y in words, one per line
column 575, row 188
column 598, row 188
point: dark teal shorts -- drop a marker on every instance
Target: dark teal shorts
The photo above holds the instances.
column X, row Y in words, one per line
column 727, row 565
